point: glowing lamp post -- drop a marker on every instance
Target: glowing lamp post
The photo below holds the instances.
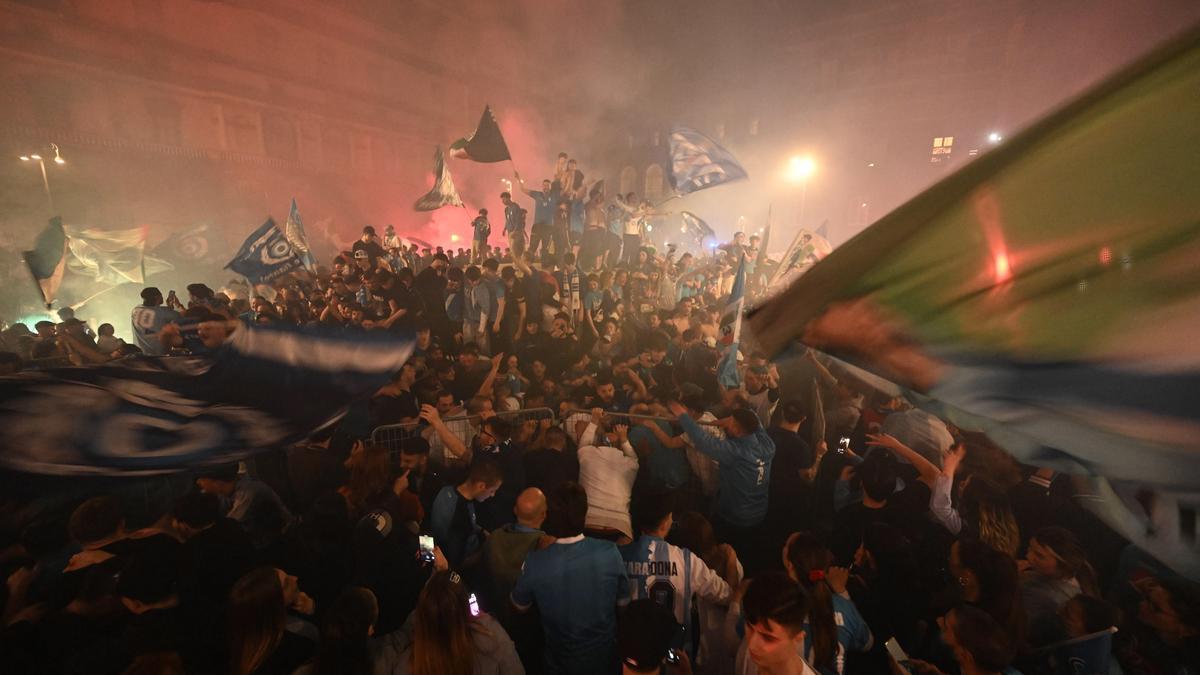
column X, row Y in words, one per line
column 58, row 159
column 800, row 169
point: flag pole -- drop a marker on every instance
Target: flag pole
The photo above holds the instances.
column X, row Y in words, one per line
column 91, row 297
column 674, row 196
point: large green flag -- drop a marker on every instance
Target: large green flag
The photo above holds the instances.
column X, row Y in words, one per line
column 1049, row 292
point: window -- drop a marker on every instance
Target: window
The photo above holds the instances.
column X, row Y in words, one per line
column 279, row 137
column 654, row 182
column 628, row 180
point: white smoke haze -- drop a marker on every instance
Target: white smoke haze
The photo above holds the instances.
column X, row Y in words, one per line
column 183, row 113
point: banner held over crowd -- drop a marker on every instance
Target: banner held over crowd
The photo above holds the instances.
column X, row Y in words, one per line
column 265, row 388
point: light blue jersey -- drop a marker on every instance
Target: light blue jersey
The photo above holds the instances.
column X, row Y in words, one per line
column 148, row 322
column 853, row 634
column 670, row 576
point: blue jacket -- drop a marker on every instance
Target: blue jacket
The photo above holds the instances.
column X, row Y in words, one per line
column 544, row 203
column 745, row 471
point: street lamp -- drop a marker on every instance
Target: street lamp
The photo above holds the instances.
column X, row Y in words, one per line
column 58, row 159
column 800, row 169
column 994, row 138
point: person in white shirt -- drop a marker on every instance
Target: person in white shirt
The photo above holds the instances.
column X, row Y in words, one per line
column 608, row 466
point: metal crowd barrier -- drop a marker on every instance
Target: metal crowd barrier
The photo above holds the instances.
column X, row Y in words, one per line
column 580, row 413
column 394, row 436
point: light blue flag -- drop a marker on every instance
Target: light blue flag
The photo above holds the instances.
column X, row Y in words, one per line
column 266, row 255
column 294, row 231
column 695, row 226
column 731, row 329
column 697, row 162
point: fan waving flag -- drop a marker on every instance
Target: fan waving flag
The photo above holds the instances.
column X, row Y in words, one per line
column 48, row 259
column 1048, row 294
column 485, row 145
column 266, row 255
column 697, row 162
column 443, row 192
column 731, row 329
column 293, row 229
column 265, row 388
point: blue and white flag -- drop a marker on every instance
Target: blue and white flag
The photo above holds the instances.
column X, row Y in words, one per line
column 731, row 329
column 266, row 255
column 294, row 231
column 697, row 162
column 695, row 226
column 265, row 388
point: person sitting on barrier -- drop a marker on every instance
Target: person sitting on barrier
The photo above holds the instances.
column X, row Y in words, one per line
column 453, row 521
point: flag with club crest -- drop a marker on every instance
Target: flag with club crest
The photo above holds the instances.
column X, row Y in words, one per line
column 485, row 145
column 47, row 261
column 266, row 255
column 266, row 387
column 1048, row 294
column 443, row 192
column 697, row 162
column 293, row 229
column 185, row 246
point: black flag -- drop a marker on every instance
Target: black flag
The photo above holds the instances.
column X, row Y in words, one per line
column 485, row 145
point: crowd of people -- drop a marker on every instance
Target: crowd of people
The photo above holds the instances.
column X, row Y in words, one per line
column 558, row 482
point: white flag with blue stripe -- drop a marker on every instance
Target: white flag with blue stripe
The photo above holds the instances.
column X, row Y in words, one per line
column 731, row 329
column 293, row 229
